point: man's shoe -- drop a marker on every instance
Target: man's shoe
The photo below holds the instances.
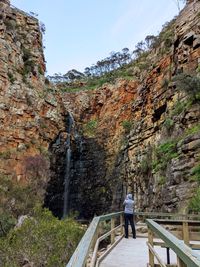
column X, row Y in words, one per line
column 126, row 236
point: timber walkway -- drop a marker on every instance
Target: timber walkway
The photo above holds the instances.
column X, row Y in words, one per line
column 165, row 240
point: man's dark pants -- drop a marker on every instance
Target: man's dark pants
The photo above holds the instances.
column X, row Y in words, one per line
column 128, row 218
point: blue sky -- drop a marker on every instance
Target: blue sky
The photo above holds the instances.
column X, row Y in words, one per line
column 81, row 32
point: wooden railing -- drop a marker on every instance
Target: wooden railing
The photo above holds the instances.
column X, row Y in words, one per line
column 107, row 226
column 184, row 233
column 91, row 239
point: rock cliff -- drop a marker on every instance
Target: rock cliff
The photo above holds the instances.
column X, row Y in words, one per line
column 141, row 134
column 147, row 128
column 30, row 111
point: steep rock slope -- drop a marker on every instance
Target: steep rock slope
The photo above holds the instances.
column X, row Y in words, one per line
column 31, row 115
column 148, row 128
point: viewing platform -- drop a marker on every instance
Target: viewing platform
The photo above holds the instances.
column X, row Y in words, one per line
column 165, row 240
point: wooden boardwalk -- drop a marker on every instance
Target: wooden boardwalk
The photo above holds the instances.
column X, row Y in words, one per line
column 179, row 234
column 133, row 252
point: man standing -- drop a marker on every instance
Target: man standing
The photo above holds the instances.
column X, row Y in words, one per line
column 128, row 215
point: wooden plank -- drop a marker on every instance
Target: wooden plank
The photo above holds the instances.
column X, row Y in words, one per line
column 177, row 222
column 184, row 253
column 180, row 263
column 194, row 236
column 109, row 216
column 108, row 251
column 121, row 223
column 161, row 263
column 79, row 257
column 195, row 246
column 101, row 238
column 150, row 241
column 186, row 233
column 113, row 232
column 172, row 215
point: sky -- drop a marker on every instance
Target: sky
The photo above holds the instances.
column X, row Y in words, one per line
column 81, row 32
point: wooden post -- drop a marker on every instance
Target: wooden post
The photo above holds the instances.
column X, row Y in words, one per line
column 180, row 263
column 122, row 226
column 150, row 240
column 186, row 233
column 113, row 233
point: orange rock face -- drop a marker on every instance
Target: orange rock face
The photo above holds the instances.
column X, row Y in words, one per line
column 29, row 116
column 125, row 122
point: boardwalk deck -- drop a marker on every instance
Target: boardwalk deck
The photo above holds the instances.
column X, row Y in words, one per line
column 133, row 252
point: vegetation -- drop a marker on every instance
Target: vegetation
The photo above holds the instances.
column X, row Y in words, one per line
column 10, row 24
column 145, row 165
column 168, row 124
column 126, row 64
column 194, row 204
column 90, row 127
column 190, row 84
column 5, row 154
column 163, row 154
column 196, row 173
column 29, row 64
column 11, row 77
column 179, row 107
column 127, row 125
column 17, row 199
column 42, row 240
column 161, row 180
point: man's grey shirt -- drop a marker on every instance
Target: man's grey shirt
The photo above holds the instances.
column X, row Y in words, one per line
column 128, row 206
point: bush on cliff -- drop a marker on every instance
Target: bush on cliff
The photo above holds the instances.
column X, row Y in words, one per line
column 194, row 204
column 42, row 240
column 190, row 84
column 19, row 199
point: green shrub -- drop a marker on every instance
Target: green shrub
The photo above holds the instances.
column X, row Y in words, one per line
column 11, row 77
column 10, row 24
column 29, row 64
column 164, row 153
column 127, row 125
column 144, row 166
column 193, row 130
column 90, row 127
column 161, row 180
column 194, row 204
column 168, row 124
column 17, row 198
column 7, row 222
column 189, row 84
column 178, row 108
column 5, row 154
column 42, row 240
column 165, row 83
column 196, row 173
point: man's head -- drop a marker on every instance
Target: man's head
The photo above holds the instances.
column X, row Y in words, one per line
column 129, row 196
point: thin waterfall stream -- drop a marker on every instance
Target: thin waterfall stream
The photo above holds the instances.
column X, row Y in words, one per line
column 67, row 164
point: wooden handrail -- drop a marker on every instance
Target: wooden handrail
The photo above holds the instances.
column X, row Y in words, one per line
column 184, row 253
column 81, row 253
column 101, row 238
column 79, row 257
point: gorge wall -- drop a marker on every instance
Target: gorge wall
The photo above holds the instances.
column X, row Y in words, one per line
column 141, row 134
column 147, row 127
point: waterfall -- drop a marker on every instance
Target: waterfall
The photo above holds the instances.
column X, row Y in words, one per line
column 70, row 124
